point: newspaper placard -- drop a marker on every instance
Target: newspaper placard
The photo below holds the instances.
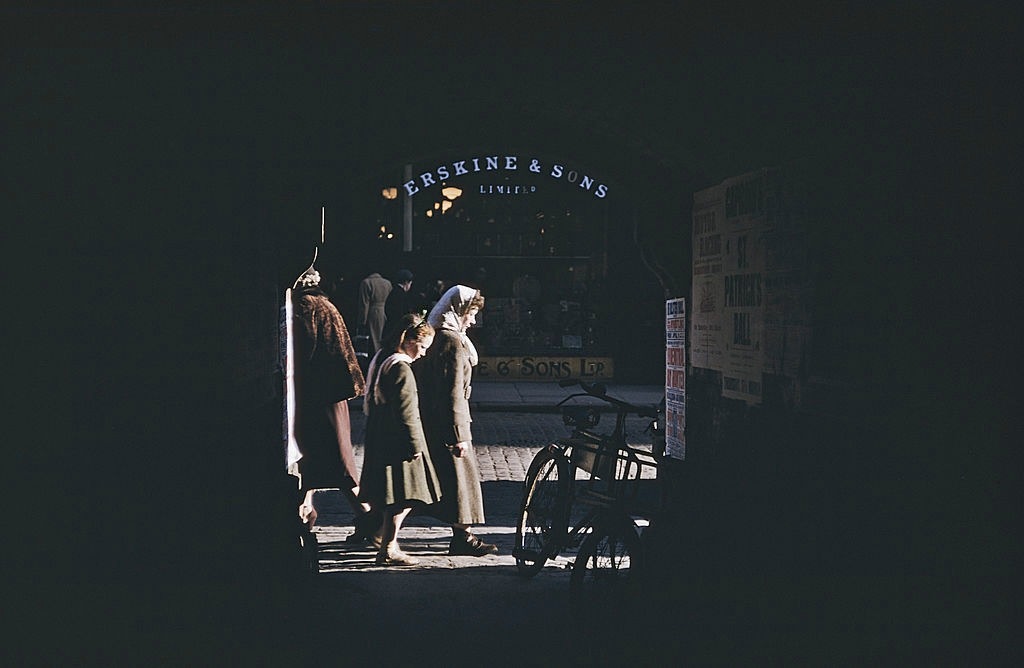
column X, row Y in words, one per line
column 675, row 378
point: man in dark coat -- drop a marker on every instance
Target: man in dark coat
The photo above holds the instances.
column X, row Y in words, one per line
column 399, row 302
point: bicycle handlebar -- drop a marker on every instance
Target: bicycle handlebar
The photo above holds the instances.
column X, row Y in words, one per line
column 599, row 391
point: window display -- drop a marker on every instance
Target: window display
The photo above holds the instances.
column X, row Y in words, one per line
column 537, row 253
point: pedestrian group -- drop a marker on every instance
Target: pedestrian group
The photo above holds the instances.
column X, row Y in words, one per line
column 419, row 454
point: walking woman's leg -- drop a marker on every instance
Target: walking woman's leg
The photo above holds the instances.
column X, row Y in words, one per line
column 390, row 554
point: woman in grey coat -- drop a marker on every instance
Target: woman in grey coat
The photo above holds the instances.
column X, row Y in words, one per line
column 397, row 470
column 443, row 376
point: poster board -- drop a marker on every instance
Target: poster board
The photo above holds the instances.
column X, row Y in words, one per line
column 751, row 282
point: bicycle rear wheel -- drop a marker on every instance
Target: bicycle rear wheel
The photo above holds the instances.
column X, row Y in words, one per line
column 608, row 559
column 543, row 513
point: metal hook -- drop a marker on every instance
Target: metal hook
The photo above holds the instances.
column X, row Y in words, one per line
column 316, row 249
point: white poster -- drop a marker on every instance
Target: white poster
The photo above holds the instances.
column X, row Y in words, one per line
column 675, row 378
column 706, row 344
column 743, row 311
column 728, row 283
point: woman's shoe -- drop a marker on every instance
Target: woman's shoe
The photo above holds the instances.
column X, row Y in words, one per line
column 394, row 557
column 470, row 546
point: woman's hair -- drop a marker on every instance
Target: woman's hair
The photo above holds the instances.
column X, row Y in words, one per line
column 456, row 302
column 412, row 327
column 476, row 302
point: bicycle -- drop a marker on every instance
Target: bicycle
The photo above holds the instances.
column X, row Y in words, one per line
column 580, row 492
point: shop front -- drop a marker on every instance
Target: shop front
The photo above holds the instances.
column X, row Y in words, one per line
column 533, row 234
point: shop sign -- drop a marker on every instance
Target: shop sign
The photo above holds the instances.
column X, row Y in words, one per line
column 505, row 163
column 506, row 189
column 543, row 367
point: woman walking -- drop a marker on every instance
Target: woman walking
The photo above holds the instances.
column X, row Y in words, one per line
column 327, row 375
column 444, row 376
column 397, row 470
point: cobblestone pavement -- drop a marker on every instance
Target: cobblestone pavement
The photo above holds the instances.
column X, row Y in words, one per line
column 505, row 444
column 482, row 605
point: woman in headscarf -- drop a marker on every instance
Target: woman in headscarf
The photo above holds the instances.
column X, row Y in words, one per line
column 397, row 470
column 443, row 376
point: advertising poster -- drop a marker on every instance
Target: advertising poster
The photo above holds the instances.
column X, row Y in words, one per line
column 743, row 267
column 675, row 378
column 743, row 314
column 728, row 283
column 706, row 344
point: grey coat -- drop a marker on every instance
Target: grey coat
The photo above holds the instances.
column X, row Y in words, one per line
column 444, row 376
column 392, row 473
column 373, row 294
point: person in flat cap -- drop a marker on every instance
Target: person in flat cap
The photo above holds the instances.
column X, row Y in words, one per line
column 399, row 301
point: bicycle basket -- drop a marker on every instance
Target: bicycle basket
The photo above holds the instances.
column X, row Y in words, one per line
column 580, row 416
column 590, row 454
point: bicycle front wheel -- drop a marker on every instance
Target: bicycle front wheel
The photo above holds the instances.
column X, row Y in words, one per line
column 543, row 513
column 608, row 559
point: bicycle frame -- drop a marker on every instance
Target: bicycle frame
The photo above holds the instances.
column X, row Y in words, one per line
column 611, row 473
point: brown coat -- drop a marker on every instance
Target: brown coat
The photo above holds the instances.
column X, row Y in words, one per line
column 326, row 366
column 327, row 374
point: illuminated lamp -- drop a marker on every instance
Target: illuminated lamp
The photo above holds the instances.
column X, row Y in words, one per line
column 389, row 193
column 451, row 192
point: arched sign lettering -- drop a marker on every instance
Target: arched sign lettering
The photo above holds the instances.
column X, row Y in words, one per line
column 506, row 163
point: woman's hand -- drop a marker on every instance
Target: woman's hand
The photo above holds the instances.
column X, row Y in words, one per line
column 459, row 448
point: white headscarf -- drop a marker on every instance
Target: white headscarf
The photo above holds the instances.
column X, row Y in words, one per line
column 447, row 314
column 372, row 392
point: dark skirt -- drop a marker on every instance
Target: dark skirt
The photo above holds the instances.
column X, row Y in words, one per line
column 324, row 437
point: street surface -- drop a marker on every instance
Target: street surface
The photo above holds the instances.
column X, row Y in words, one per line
column 479, row 605
column 505, row 443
